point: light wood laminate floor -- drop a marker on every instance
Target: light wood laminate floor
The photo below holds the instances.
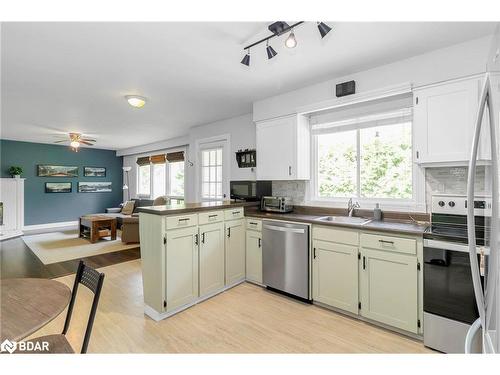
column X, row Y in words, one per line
column 244, row 319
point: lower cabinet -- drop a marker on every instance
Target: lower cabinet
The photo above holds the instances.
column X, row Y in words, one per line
column 181, row 269
column 388, row 288
column 235, row 251
column 335, row 275
column 211, row 244
column 254, row 256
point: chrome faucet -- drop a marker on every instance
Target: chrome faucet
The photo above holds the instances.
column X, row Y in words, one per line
column 351, row 206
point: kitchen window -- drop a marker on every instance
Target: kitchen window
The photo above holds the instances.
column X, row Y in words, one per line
column 144, row 180
column 368, row 158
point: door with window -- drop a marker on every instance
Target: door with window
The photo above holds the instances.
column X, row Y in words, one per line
column 213, row 172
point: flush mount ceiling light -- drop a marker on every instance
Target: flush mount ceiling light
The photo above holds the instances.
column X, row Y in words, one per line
column 136, row 101
column 279, row 28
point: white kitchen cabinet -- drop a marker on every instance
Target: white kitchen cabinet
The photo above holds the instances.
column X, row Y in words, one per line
column 253, row 253
column 443, row 122
column 335, row 275
column 235, row 251
column 388, row 288
column 283, row 148
column 211, row 253
column 181, row 268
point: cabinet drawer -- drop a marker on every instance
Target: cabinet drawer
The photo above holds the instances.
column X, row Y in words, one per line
column 234, row 213
column 210, row 217
column 174, row 222
column 345, row 236
column 254, row 224
column 389, row 243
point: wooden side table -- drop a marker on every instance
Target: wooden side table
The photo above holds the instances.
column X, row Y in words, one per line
column 94, row 225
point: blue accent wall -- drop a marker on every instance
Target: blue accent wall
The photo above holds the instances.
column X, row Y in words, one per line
column 41, row 207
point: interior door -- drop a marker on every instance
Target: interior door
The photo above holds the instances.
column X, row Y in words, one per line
column 389, row 288
column 336, row 275
column 211, row 258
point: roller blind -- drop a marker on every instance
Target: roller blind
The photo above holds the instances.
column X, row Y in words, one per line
column 175, row 156
column 363, row 115
column 144, row 160
column 158, row 159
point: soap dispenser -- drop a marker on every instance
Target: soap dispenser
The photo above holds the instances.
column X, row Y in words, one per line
column 377, row 213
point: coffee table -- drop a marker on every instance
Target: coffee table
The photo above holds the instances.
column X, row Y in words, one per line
column 94, row 227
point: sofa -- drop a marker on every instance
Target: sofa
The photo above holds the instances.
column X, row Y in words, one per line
column 129, row 224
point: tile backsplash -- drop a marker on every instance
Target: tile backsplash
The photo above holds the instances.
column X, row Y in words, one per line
column 294, row 189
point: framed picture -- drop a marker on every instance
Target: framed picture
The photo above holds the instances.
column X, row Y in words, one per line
column 57, row 171
column 94, row 171
column 58, row 187
column 94, row 187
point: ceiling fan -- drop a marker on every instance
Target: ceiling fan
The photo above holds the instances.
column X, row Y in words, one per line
column 75, row 140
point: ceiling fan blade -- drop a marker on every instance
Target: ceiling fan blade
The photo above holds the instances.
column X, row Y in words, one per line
column 61, row 141
column 88, row 139
column 86, row 143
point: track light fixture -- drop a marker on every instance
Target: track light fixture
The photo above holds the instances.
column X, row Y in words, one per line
column 279, row 28
column 246, row 58
column 270, row 51
column 323, row 29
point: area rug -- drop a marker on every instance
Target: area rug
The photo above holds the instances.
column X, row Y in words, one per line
column 55, row 247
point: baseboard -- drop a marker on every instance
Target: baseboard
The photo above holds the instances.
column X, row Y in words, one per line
column 41, row 227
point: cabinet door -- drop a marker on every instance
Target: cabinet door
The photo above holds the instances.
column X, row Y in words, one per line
column 254, row 256
column 388, row 288
column 444, row 121
column 235, row 251
column 181, row 267
column 211, row 258
column 276, row 149
column 335, row 275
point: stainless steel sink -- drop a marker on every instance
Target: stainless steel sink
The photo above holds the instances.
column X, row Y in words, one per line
column 345, row 220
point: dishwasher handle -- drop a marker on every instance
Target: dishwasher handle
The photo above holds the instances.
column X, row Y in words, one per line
column 284, row 229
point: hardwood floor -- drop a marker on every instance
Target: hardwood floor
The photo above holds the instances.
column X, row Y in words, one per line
column 244, row 319
column 17, row 260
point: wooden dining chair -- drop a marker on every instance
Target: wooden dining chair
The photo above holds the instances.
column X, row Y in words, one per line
column 93, row 280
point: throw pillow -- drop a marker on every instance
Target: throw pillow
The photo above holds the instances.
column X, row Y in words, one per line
column 128, row 207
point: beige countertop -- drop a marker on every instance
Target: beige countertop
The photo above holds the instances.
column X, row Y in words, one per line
column 392, row 225
column 184, row 208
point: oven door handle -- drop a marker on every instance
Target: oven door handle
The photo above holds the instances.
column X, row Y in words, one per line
column 451, row 246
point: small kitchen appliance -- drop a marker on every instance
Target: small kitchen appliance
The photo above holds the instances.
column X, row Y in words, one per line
column 276, row 204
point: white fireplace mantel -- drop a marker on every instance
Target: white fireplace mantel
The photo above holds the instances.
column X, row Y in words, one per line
column 12, row 197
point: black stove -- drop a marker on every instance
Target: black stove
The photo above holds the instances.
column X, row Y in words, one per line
column 453, row 228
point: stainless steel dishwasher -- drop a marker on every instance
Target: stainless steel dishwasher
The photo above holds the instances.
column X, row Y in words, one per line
column 285, row 257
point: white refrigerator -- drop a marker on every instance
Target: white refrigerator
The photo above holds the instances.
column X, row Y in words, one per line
column 486, row 271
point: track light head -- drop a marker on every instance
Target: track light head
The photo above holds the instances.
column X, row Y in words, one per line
column 270, row 52
column 246, row 59
column 291, row 42
column 323, row 29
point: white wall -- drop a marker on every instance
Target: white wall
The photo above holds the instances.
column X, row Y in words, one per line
column 447, row 63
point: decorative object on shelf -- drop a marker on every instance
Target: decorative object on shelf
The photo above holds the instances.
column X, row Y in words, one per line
column 94, row 171
column 246, row 158
column 15, row 171
column 94, row 187
column 76, row 140
column 58, row 187
column 57, row 171
column 279, row 28
column 125, row 185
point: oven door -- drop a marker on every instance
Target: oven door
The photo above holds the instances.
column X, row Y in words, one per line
column 448, row 287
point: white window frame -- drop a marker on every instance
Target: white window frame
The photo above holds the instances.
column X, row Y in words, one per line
column 167, row 174
column 415, row 204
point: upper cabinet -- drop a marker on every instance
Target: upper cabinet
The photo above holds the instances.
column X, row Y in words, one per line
column 444, row 117
column 283, row 148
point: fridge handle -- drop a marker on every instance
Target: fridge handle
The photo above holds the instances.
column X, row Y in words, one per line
column 471, row 232
column 471, row 334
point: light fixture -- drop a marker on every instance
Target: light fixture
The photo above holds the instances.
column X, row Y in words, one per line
column 125, row 185
column 270, row 51
column 291, row 42
column 136, row 101
column 75, row 144
column 323, row 29
column 246, row 58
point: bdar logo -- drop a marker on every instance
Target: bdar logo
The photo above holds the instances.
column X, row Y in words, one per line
column 8, row 346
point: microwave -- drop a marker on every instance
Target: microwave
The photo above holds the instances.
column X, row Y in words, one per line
column 250, row 191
